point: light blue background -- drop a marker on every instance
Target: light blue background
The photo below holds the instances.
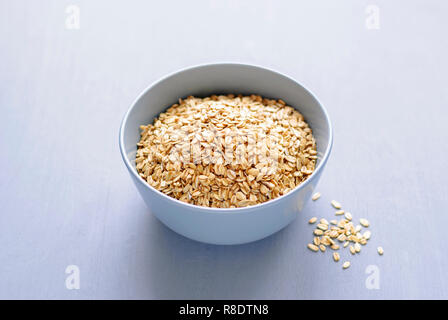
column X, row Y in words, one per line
column 66, row 198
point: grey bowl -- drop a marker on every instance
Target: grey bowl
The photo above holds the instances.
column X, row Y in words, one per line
column 215, row 225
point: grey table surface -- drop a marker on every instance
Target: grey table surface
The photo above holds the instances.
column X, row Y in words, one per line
column 66, row 198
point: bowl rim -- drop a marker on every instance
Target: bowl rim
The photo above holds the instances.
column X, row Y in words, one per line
column 268, row 203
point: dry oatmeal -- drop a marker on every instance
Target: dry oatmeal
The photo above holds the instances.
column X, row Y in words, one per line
column 344, row 231
column 226, row 151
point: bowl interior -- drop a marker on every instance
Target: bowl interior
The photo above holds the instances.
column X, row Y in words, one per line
column 222, row 79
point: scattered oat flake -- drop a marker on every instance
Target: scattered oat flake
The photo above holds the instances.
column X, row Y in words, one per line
column 316, row 196
column 345, row 231
column 365, row 223
column 367, row 235
column 335, row 247
column 312, row 220
column 333, row 234
column 313, row 247
column 336, row 256
column 352, row 250
column 322, row 226
column 336, row 204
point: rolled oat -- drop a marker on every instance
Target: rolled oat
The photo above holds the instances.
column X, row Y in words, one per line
column 226, row 151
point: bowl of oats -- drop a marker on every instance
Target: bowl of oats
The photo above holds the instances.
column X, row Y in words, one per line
column 226, row 153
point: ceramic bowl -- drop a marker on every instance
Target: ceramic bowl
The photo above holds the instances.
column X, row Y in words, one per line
column 216, row 225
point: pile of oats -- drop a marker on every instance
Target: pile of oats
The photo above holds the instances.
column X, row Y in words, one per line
column 226, row 151
column 335, row 234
